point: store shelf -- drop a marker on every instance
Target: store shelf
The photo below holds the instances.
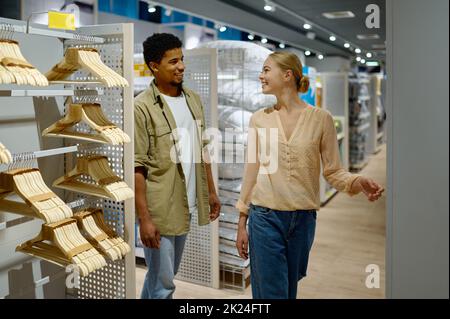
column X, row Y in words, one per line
column 359, row 166
column 15, row 26
column 364, row 98
column 68, row 82
column 35, row 93
column 328, row 195
column 363, row 127
column 364, row 116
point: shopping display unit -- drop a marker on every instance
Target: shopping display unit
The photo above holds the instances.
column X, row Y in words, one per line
column 376, row 136
column 359, row 120
column 75, row 189
column 332, row 95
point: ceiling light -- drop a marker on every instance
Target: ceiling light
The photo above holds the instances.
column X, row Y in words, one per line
column 282, row 45
column 151, row 9
column 223, row 29
column 369, row 55
column 310, row 35
column 363, row 61
column 347, row 45
column 357, row 50
column 338, row 15
column 358, row 58
column 264, row 40
column 251, row 37
column 269, row 6
column 332, row 38
column 308, row 53
column 320, row 57
column 307, row 26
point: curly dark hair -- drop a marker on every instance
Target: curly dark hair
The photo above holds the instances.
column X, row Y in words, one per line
column 158, row 44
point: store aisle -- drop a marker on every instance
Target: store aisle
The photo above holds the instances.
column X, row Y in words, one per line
column 350, row 236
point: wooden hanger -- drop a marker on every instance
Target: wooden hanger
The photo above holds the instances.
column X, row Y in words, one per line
column 40, row 201
column 102, row 237
column 93, row 116
column 62, row 243
column 14, row 68
column 108, row 185
column 87, row 59
column 5, row 155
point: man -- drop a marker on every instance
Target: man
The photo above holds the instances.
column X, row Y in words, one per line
column 172, row 177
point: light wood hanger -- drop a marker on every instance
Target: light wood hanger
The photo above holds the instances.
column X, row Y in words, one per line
column 108, row 185
column 39, row 201
column 102, row 237
column 5, row 155
column 61, row 243
column 93, row 116
column 14, row 68
column 88, row 59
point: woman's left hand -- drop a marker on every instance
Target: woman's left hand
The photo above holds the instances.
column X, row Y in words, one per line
column 370, row 188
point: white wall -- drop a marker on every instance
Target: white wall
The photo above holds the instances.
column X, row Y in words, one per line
column 417, row 263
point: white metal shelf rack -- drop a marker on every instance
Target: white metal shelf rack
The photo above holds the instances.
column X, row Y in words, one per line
column 115, row 45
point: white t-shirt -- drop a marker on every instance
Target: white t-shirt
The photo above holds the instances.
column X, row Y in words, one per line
column 187, row 134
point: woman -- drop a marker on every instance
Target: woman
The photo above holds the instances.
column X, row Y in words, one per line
column 280, row 191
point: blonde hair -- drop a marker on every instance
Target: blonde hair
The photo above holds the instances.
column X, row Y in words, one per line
column 289, row 61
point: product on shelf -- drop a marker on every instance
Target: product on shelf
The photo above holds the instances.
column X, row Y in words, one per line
column 102, row 237
column 96, row 168
column 93, row 116
column 14, row 68
column 250, row 54
column 245, row 93
column 89, row 60
column 63, row 244
column 5, row 155
column 40, row 201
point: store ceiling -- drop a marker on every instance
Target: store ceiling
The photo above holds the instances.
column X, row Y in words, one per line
column 249, row 15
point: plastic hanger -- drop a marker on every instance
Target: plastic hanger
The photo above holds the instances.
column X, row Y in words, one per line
column 39, row 200
column 5, row 155
column 15, row 68
column 100, row 235
column 107, row 184
column 88, row 59
column 62, row 243
column 93, row 116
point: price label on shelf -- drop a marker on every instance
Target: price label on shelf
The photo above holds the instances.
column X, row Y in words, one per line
column 61, row 20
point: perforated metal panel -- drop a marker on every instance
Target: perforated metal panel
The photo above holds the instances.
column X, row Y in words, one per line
column 200, row 258
column 110, row 281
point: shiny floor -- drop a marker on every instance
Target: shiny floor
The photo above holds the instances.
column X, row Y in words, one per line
column 350, row 236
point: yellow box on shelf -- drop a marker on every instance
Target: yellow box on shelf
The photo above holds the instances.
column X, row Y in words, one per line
column 61, row 20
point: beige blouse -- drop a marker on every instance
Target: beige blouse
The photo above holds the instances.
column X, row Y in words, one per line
column 285, row 175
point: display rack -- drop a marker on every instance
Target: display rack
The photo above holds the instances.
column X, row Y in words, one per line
column 359, row 121
column 378, row 115
column 334, row 98
column 114, row 43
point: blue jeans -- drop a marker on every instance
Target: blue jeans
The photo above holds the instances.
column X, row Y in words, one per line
column 162, row 264
column 279, row 246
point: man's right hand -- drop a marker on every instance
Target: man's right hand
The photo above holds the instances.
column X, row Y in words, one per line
column 150, row 235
